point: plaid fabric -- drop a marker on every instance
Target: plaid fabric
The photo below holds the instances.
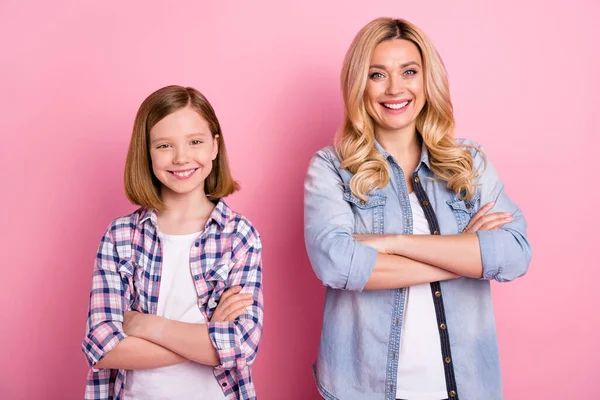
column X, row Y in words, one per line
column 127, row 276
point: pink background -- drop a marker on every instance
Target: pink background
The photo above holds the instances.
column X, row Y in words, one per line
column 525, row 83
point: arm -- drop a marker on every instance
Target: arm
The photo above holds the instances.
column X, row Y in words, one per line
column 501, row 252
column 226, row 341
column 340, row 261
column 135, row 353
column 105, row 336
column 187, row 341
column 393, row 271
column 459, row 254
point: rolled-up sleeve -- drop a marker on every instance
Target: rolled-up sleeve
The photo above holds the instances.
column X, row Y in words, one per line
column 506, row 252
column 237, row 342
column 339, row 261
column 104, row 328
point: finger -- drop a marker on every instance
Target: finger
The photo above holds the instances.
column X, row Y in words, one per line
column 483, row 210
column 478, row 215
column 496, row 217
column 223, row 305
column 240, row 309
column 490, row 218
column 501, row 221
column 492, row 225
column 235, row 315
column 230, row 292
column 237, row 303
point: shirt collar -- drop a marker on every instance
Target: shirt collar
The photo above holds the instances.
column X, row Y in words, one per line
column 424, row 155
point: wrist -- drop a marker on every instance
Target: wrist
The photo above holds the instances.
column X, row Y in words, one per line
column 151, row 328
column 398, row 244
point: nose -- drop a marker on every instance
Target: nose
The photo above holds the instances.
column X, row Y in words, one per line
column 395, row 86
column 181, row 155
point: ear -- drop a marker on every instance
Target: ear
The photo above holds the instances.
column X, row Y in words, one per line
column 215, row 149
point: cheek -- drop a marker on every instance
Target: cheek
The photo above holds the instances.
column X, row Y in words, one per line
column 370, row 100
column 157, row 161
column 373, row 92
column 418, row 89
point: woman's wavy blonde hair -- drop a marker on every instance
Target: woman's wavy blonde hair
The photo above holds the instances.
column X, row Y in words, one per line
column 355, row 142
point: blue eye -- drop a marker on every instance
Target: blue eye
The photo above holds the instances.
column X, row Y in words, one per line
column 376, row 75
column 410, row 72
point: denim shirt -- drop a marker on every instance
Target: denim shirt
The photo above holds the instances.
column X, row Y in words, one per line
column 361, row 329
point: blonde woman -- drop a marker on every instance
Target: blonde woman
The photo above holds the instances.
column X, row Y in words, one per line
column 406, row 226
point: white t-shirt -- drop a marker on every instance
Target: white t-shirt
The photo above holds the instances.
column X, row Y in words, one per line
column 177, row 300
column 420, row 367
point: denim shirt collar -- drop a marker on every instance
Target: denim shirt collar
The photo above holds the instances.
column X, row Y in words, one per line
column 424, row 155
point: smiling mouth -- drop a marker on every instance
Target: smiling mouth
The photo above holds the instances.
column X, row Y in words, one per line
column 184, row 174
column 396, row 106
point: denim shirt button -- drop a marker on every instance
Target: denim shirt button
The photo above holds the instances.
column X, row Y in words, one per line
column 452, row 393
column 438, row 293
column 425, row 203
column 442, row 326
column 417, row 179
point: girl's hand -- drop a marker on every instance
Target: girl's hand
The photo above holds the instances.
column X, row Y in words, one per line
column 489, row 222
column 382, row 243
column 231, row 305
column 135, row 323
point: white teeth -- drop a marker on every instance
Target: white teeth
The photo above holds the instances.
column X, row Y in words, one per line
column 184, row 174
column 395, row 106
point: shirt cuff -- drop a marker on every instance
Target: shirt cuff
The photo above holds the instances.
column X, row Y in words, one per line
column 491, row 253
column 225, row 340
column 361, row 266
column 100, row 340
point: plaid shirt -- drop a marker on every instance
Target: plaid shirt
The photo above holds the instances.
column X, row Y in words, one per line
column 127, row 276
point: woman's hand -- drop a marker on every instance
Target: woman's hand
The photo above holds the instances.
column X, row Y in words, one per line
column 487, row 222
column 231, row 305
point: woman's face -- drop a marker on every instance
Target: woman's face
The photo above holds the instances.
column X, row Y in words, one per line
column 395, row 93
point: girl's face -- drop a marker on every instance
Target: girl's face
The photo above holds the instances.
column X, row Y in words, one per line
column 395, row 93
column 182, row 149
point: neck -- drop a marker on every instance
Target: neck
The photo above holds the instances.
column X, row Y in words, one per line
column 404, row 146
column 187, row 206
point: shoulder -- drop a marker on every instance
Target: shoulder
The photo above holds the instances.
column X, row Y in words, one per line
column 242, row 229
column 126, row 223
column 476, row 150
column 326, row 154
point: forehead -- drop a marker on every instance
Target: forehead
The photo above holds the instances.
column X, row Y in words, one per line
column 184, row 121
column 394, row 51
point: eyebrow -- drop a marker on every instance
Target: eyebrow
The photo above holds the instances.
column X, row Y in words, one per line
column 187, row 136
column 379, row 66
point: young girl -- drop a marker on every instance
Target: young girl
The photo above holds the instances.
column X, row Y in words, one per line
column 406, row 226
column 176, row 306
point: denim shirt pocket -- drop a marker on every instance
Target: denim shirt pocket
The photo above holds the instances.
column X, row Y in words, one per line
column 368, row 214
column 216, row 281
column 463, row 210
